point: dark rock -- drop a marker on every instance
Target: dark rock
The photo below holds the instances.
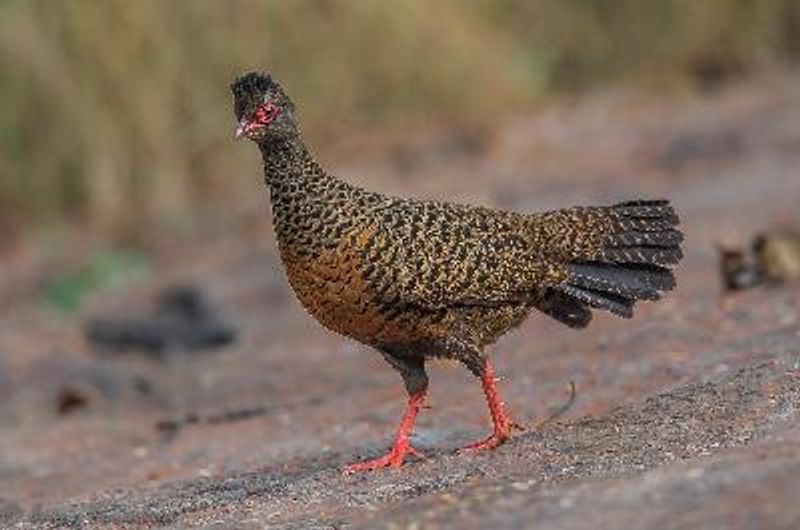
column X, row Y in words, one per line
column 183, row 320
column 70, row 399
column 80, row 384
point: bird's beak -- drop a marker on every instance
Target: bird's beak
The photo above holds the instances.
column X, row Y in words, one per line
column 240, row 130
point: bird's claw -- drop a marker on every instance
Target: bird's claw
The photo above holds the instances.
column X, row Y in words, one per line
column 502, row 432
column 394, row 459
column 493, row 441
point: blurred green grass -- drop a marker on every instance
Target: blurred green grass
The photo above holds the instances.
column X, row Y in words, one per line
column 114, row 113
column 68, row 289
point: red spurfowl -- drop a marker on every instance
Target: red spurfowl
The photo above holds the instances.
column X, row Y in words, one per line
column 417, row 280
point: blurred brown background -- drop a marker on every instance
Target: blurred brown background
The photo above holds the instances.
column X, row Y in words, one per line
column 117, row 113
column 156, row 369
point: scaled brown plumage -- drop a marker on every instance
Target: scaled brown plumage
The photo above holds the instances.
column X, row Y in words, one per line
column 420, row 279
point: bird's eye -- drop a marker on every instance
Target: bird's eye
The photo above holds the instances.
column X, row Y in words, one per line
column 265, row 113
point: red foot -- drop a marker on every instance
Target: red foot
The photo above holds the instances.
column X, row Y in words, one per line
column 394, row 459
column 493, row 441
column 500, row 418
column 402, row 445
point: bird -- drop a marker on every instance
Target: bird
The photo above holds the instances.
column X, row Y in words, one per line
column 418, row 280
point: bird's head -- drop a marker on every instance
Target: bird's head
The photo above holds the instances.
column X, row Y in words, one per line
column 264, row 112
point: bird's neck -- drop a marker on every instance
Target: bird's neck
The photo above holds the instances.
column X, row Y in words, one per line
column 288, row 160
column 300, row 192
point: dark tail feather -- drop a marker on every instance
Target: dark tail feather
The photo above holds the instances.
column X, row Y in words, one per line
column 635, row 260
column 636, row 281
column 644, row 233
column 617, row 304
column 564, row 308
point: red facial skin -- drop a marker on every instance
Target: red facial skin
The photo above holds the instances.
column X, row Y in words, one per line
column 262, row 117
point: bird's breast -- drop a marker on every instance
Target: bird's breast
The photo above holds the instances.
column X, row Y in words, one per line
column 331, row 287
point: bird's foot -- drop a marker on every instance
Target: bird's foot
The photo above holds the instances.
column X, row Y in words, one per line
column 503, row 424
column 493, row 441
column 501, row 434
column 394, row 458
column 402, row 443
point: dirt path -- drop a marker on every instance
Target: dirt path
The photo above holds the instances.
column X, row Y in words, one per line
column 685, row 417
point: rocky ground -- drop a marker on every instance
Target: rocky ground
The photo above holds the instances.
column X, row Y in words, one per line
column 685, row 417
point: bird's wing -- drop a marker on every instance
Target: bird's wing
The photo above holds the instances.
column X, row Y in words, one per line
column 436, row 255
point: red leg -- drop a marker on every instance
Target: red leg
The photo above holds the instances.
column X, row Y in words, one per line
column 402, row 444
column 500, row 418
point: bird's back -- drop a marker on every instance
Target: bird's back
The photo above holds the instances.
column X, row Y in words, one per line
column 381, row 268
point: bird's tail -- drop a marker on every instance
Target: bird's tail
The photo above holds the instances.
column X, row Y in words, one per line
column 624, row 255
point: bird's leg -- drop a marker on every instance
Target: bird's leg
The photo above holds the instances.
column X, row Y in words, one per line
column 402, row 443
column 501, row 420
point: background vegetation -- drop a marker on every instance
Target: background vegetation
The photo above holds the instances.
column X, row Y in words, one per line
column 113, row 112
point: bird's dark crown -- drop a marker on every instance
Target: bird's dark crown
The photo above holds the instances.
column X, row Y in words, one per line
column 249, row 91
column 252, row 84
column 260, row 100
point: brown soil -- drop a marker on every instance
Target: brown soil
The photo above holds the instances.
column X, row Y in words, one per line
column 684, row 417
